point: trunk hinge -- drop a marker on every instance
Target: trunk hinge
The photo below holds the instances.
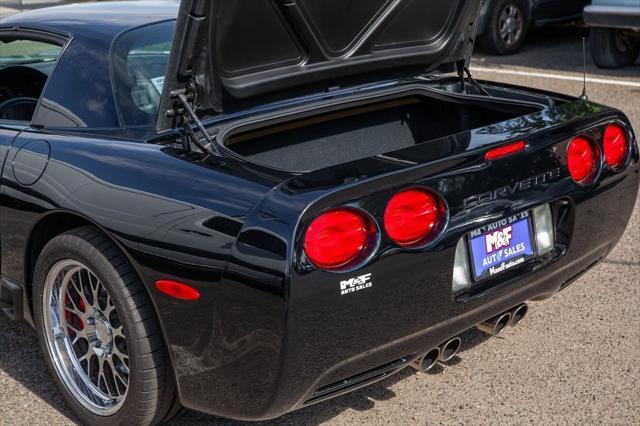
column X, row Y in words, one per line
column 187, row 118
column 464, row 69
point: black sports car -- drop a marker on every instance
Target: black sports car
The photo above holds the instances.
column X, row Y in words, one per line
column 245, row 207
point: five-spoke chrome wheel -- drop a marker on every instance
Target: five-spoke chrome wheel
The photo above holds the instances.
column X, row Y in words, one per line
column 85, row 337
column 511, row 25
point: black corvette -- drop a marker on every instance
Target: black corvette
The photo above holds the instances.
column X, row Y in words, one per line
column 259, row 206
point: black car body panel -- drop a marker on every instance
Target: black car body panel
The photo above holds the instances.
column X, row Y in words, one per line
column 271, row 333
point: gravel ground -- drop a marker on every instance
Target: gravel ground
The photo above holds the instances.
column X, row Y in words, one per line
column 574, row 360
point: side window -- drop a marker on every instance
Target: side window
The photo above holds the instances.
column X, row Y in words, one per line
column 140, row 62
column 25, row 66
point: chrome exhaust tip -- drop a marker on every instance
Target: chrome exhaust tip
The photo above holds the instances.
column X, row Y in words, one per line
column 495, row 325
column 518, row 313
column 450, row 349
column 427, row 361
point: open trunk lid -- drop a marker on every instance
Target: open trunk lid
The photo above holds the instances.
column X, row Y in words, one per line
column 224, row 51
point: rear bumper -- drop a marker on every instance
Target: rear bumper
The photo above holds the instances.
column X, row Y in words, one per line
column 329, row 349
column 310, row 380
column 538, row 287
column 626, row 17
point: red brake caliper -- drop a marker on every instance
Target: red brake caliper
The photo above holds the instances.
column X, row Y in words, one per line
column 70, row 316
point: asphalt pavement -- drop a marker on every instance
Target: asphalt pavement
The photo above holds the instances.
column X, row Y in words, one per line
column 573, row 360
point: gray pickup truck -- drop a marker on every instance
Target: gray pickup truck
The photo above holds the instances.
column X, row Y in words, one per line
column 615, row 32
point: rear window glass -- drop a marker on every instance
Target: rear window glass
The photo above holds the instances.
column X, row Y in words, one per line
column 140, row 62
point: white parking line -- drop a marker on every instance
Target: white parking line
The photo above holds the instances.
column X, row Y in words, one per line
column 557, row 76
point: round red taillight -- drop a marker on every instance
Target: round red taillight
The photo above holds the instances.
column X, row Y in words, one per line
column 339, row 238
column 616, row 146
column 582, row 160
column 414, row 217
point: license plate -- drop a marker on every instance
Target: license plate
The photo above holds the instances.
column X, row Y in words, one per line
column 501, row 246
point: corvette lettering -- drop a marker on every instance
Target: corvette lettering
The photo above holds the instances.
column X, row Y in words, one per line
column 509, row 190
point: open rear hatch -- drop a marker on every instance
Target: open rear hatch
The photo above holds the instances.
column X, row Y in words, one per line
column 227, row 51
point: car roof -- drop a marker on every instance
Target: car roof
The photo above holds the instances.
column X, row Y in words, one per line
column 95, row 19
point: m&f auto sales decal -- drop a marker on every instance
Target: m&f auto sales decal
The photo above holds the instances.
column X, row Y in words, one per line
column 358, row 283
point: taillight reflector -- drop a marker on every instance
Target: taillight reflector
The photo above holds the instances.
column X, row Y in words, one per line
column 339, row 238
column 616, row 146
column 582, row 160
column 505, row 151
column 178, row 290
column 414, row 217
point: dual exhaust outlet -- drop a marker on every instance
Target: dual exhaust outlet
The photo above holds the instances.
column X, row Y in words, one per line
column 497, row 324
column 442, row 353
column 450, row 348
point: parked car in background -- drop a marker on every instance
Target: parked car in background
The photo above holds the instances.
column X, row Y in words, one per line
column 615, row 32
column 10, row 7
column 22, row 5
column 504, row 23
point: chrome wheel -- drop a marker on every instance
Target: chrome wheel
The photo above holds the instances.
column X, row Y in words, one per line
column 85, row 337
column 511, row 25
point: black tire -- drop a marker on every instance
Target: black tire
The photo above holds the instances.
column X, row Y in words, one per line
column 150, row 397
column 492, row 40
column 611, row 48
